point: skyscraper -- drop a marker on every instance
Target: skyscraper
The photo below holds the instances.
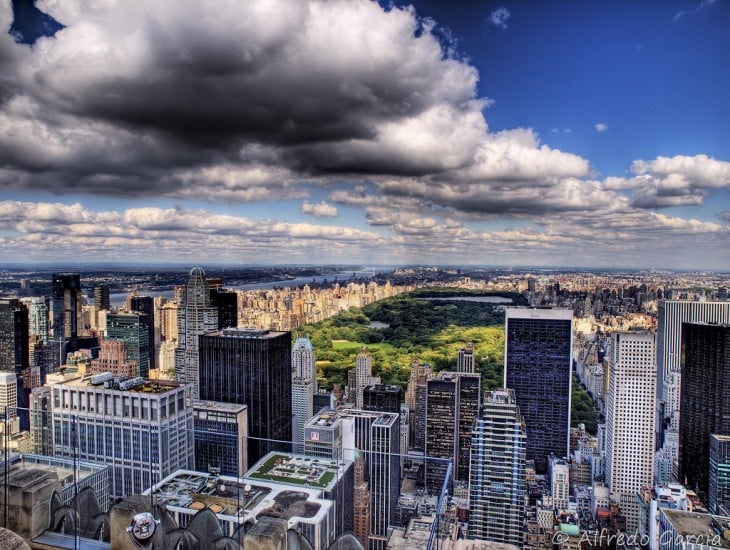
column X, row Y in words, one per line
column 133, row 330
column 252, row 368
column 382, row 397
column 14, row 352
column 66, row 306
column 195, row 316
column 718, row 497
column 143, row 430
column 302, row 359
column 302, row 408
column 38, row 319
column 416, row 403
column 452, row 404
column 101, row 300
column 226, row 301
column 465, row 362
column 671, row 315
column 146, row 305
column 363, row 375
column 538, row 366
column 631, row 419
column 705, row 398
column 497, row 473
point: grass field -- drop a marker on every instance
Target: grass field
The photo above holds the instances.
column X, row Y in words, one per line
column 346, row 345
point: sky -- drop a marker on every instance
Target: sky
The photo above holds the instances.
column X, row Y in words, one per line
column 564, row 133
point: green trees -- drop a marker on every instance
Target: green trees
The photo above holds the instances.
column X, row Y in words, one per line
column 431, row 331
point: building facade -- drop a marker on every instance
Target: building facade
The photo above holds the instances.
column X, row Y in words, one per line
column 630, row 419
column 718, row 497
column 705, row 398
column 497, row 486
column 142, row 429
column 252, row 368
column 220, row 437
column 66, row 307
column 195, row 316
column 133, row 330
column 538, row 366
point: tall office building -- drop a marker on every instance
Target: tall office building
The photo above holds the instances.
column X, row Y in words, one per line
column 302, row 409
column 363, row 375
column 220, row 438
column 101, row 300
column 631, row 420
column 38, row 319
column 497, row 486
column 66, row 307
column 253, row 368
column 705, row 398
column 195, row 316
column 718, row 497
column 373, row 437
column 382, row 397
column 303, row 359
column 671, row 315
column 538, row 366
column 142, row 429
column 559, row 475
column 146, row 305
column 14, row 351
column 226, row 301
column 133, row 330
column 452, row 404
column 416, row 403
column 465, row 362
column 8, row 396
column 41, row 426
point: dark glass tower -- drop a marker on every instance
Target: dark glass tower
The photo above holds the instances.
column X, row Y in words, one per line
column 537, row 364
column 704, row 398
column 252, row 368
column 67, row 308
column 382, row 398
column 146, row 305
column 14, row 354
column 452, row 403
column 132, row 329
column 227, row 303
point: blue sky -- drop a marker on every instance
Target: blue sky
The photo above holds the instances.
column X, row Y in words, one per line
column 523, row 133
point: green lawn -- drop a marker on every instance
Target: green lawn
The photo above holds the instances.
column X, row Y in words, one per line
column 347, row 345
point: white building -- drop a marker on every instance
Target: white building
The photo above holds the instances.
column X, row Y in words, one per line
column 142, row 429
column 559, row 482
column 302, row 398
column 302, row 360
column 630, row 419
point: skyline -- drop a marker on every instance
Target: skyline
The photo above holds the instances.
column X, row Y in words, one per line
column 500, row 134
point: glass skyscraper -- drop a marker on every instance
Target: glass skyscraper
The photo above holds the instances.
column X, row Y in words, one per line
column 252, row 368
column 537, row 364
column 497, row 484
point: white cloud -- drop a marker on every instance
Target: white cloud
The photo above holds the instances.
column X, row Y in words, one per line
column 319, row 210
column 601, row 127
column 499, row 17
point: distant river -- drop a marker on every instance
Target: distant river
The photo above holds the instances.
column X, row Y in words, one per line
column 489, row 299
column 343, row 277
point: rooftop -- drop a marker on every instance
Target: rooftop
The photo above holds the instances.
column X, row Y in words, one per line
column 714, row 530
column 303, row 471
column 107, row 380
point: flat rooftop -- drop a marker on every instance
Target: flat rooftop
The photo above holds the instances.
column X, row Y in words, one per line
column 219, row 406
column 692, row 524
column 302, row 471
column 121, row 383
column 245, row 333
column 238, row 500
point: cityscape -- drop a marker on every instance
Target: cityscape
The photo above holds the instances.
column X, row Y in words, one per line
column 208, row 417
column 364, row 274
